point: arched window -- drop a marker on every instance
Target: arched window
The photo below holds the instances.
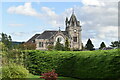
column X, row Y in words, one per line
column 59, row 39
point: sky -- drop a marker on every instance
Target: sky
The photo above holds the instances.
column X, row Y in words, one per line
column 98, row 18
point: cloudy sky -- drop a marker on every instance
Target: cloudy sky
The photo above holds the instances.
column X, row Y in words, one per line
column 99, row 19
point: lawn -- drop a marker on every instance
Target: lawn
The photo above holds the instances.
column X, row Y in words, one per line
column 59, row 78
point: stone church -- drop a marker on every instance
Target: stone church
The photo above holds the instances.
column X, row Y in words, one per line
column 50, row 37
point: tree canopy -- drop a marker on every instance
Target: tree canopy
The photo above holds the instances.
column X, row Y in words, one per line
column 115, row 44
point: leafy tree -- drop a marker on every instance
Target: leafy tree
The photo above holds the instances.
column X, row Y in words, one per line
column 115, row 44
column 102, row 45
column 58, row 45
column 67, row 45
column 7, row 40
column 89, row 45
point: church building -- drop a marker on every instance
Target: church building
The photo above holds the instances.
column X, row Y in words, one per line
column 50, row 37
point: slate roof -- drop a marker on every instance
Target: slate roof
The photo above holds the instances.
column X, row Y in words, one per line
column 48, row 34
column 33, row 38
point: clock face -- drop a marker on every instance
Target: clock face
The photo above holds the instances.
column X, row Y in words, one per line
column 75, row 30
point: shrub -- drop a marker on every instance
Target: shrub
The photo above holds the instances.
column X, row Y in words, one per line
column 50, row 75
column 50, row 47
column 14, row 71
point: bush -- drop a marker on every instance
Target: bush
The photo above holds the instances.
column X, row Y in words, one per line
column 50, row 75
column 14, row 71
column 79, row 64
column 50, row 47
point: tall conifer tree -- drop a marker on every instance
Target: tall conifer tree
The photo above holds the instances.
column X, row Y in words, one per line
column 89, row 45
column 102, row 45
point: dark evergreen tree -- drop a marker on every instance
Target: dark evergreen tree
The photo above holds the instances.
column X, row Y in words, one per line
column 58, row 45
column 102, row 45
column 89, row 45
column 67, row 45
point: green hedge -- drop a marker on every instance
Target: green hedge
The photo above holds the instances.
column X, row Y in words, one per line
column 79, row 64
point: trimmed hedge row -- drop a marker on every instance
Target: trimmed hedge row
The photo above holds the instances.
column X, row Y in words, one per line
column 79, row 64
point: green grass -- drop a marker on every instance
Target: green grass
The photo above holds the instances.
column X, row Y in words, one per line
column 59, row 78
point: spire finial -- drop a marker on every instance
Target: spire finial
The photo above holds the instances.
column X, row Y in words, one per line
column 73, row 11
column 59, row 28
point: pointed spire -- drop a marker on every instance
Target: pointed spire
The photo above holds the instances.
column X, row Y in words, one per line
column 73, row 11
column 73, row 14
column 73, row 17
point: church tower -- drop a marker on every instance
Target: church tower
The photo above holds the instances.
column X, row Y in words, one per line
column 73, row 28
